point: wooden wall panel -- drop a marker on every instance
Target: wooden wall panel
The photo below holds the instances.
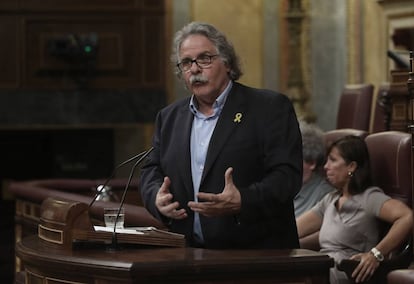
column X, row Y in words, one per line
column 79, row 5
column 116, row 58
column 153, row 61
column 9, row 50
column 95, row 5
column 8, row 4
column 131, row 44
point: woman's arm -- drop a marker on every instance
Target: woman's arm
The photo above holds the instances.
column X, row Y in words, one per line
column 401, row 217
column 308, row 223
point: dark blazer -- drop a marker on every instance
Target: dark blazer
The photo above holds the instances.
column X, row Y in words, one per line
column 265, row 149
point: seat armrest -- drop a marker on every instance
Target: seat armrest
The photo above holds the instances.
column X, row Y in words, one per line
column 348, row 266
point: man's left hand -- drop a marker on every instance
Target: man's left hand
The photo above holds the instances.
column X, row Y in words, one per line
column 228, row 202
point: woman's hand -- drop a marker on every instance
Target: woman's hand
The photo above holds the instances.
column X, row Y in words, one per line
column 368, row 264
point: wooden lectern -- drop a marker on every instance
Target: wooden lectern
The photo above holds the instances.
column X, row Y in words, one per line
column 46, row 259
column 64, row 222
column 60, row 219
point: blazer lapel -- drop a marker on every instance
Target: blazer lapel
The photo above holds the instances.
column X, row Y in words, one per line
column 230, row 118
column 184, row 125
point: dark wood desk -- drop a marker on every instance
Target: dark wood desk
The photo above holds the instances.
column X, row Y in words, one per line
column 181, row 265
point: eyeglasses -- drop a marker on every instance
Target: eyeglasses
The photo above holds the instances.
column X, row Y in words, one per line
column 202, row 61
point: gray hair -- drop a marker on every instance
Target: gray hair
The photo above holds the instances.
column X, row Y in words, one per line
column 313, row 143
column 224, row 48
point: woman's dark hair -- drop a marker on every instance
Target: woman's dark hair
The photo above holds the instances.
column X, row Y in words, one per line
column 354, row 149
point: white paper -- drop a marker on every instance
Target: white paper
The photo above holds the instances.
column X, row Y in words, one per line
column 131, row 230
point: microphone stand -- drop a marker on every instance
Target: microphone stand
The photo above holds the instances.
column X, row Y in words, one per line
column 114, row 244
column 98, row 192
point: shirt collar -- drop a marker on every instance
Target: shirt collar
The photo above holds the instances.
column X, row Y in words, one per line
column 218, row 104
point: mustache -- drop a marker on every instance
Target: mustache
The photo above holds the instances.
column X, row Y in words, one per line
column 198, row 79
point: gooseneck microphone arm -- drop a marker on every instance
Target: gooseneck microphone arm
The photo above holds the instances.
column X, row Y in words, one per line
column 137, row 156
column 121, row 203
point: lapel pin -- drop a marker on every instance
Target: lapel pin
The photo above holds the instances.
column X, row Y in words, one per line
column 237, row 117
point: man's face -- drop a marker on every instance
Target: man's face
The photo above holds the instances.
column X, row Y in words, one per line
column 308, row 168
column 205, row 83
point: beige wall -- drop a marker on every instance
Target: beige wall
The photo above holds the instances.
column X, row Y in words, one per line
column 346, row 42
column 256, row 28
column 374, row 51
column 242, row 22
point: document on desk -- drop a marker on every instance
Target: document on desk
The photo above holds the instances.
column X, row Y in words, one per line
column 142, row 235
column 134, row 230
column 153, row 229
column 118, row 230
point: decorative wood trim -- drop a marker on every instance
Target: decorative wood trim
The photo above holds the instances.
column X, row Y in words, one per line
column 50, row 235
column 400, row 16
column 354, row 42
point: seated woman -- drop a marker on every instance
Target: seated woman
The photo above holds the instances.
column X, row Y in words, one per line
column 348, row 218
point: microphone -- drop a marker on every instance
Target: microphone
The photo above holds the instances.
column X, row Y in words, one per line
column 121, row 203
column 102, row 187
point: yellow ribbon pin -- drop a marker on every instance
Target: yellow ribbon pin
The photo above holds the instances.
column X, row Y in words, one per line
column 237, row 117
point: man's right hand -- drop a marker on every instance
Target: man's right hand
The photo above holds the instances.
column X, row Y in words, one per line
column 164, row 204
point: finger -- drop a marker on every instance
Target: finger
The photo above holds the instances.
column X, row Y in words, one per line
column 228, row 176
column 357, row 270
column 163, row 195
column 165, row 185
column 162, row 200
column 207, row 197
column 356, row 257
column 169, row 207
column 365, row 271
column 179, row 214
column 197, row 209
column 363, row 275
column 199, row 205
column 166, row 199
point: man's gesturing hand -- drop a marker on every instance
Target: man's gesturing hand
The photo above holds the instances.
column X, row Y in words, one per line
column 227, row 202
column 164, row 204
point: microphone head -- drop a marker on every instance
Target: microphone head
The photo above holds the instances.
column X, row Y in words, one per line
column 104, row 193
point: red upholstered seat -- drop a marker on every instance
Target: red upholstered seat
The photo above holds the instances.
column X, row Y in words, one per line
column 390, row 154
column 382, row 110
column 333, row 135
column 355, row 107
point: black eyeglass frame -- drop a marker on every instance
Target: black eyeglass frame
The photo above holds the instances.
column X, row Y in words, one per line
column 201, row 65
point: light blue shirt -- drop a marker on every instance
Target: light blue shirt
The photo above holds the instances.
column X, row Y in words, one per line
column 201, row 131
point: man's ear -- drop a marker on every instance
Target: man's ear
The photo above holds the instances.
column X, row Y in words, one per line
column 312, row 165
